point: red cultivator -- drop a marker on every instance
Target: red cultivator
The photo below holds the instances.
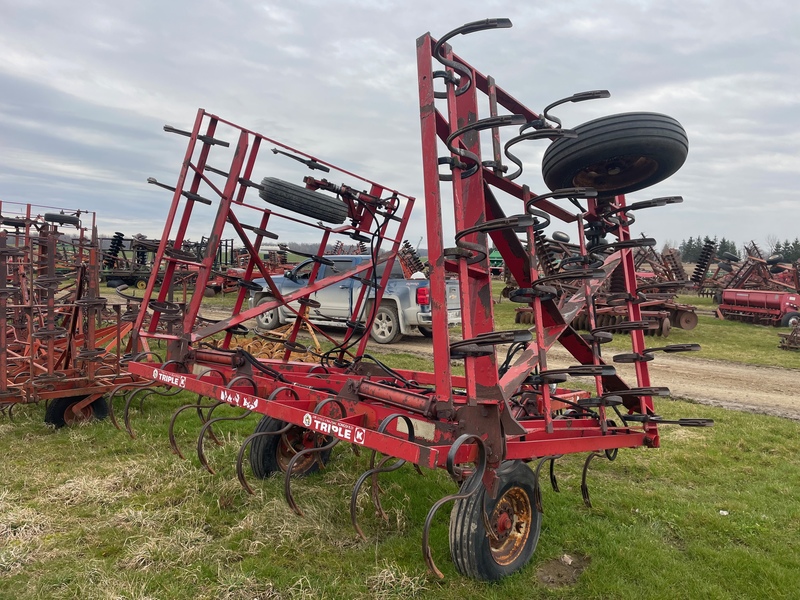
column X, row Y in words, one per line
column 492, row 428
column 56, row 342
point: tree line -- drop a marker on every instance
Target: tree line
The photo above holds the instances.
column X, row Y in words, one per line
column 691, row 249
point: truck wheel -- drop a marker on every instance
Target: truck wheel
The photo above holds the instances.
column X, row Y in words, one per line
column 790, row 319
column 386, row 327
column 272, row 453
column 426, row 331
column 617, row 154
column 268, row 320
column 513, row 519
column 304, row 201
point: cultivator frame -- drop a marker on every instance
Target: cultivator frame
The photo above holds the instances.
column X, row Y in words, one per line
column 480, row 426
column 58, row 341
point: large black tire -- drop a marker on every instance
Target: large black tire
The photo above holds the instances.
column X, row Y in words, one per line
column 730, row 256
column 271, row 453
column 58, row 411
column 512, row 515
column 62, row 219
column 425, row 331
column 790, row 319
column 304, row 201
column 617, row 154
column 774, row 259
column 386, row 327
column 114, row 283
column 723, row 266
column 270, row 319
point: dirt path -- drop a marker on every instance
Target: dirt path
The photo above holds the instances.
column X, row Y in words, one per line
column 764, row 390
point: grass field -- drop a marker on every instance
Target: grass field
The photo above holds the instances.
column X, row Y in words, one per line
column 90, row 513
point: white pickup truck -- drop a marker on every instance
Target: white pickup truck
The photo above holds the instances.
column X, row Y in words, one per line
column 405, row 304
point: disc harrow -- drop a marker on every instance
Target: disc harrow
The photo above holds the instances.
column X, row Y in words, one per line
column 491, row 428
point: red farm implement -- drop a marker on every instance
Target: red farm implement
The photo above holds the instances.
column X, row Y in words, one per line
column 58, row 343
column 495, row 426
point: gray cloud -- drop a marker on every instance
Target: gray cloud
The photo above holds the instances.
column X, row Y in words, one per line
column 87, row 87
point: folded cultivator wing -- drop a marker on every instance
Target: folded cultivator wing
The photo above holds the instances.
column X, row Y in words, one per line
column 493, row 427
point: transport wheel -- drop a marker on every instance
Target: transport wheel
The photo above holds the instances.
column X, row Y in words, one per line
column 617, row 154
column 774, row 259
column 685, row 319
column 729, row 256
column 271, row 453
column 790, row 319
column 141, row 284
column 114, row 283
column 59, row 411
column 723, row 266
column 268, row 320
column 426, row 332
column 386, row 327
column 514, row 521
column 304, row 201
column 62, row 219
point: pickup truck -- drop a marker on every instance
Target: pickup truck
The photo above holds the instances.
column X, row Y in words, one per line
column 404, row 306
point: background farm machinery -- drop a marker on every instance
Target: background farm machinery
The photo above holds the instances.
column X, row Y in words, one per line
column 495, row 426
column 58, row 340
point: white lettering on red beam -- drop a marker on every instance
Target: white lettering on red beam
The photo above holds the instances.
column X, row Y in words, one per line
column 235, row 398
column 344, row 431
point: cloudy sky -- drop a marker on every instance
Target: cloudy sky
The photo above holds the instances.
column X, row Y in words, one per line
column 88, row 84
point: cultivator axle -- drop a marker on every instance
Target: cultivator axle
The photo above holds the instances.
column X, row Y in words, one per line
column 509, row 407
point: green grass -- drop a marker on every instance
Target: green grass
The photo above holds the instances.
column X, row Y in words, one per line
column 89, row 513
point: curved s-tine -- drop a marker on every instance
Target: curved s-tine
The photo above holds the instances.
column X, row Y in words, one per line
column 584, row 488
column 116, row 391
column 287, row 480
column 537, row 489
column 469, row 488
column 553, row 480
column 173, row 442
column 243, row 448
column 201, row 455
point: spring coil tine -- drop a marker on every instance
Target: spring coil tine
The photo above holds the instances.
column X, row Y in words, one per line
column 240, row 456
column 287, row 480
column 172, row 440
column 373, row 472
column 204, row 418
column 584, row 488
column 126, row 415
column 209, row 422
column 287, row 485
column 114, row 393
column 470, row 488
column 537, row 490
column 553, row 479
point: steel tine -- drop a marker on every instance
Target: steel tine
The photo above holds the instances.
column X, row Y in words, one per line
column 114, row 393
column 553, row 480
column 207, row 427
column 287, row 480
column 173, row 442
column 584, row 488
column 243, row 448
column 469, row 488
column 537, row 489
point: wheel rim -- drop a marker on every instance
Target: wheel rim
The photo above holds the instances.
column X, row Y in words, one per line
column 383, row 327
column 510, row 523
column 84, row 414
column 265, row 320
column 141, row 284
column 292, row 442
column 616, row 173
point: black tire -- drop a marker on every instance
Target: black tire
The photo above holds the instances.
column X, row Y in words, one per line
column 271, row 453
column 473, row 552
column 717, row 297
column 774, row 259
column 776, row 269
column 729, row 256
column 270, row 319
column 386, row 327
column 723, row 266
column 62, row 219
column 617, row 154
column 790, row 319
column 114, row 283
column 58, row 411
column 426, row 331
column 304, row 201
